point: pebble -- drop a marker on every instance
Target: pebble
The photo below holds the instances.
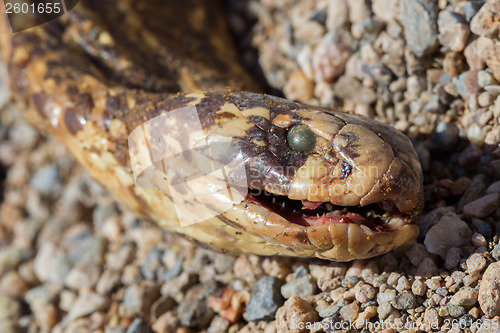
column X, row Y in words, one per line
column 431, row 318
column 266, row 299
column 384, row 310
column 51, row 263
column 328, row 60
column 337, row 15
column 302, row 287
column 452, row 257
column 138, row 298
column 449, row 232
column 475, row 263
column 494, row 187
column 487, row 20
column 12, row 284
column 138, row 326
column 485, row 79
column 471, row 8
column 453, row 31
column 194, row 311
column 419, row 22
column 364, row 292
column 350, row 311
column 83, row 275
column 456, row 310
column 465, row 297
column 299, row 87
column 329, row 311
column 404, row 301
column 88, row 303
column 483, row 207
column 419, row 287
column 489, row 290
column 46, row 180
column 295, row 315
column 386, row 10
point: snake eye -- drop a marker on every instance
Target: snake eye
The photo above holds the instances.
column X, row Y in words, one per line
column 301, row 139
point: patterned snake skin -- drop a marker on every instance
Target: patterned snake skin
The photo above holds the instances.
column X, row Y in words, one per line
column 107, row 67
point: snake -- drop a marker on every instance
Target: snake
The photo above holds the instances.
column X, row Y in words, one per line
column 318, row 182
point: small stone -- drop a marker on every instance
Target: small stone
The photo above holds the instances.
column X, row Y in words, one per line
column 82, row 275
column 302, row 287
column 403, row 284
column 337, row 15
column 478, row 240
column 485, row 79
column 466, row 320
column 496, row 252
column 266, row 299
column 46, row 180
column 350, row 311
column 386, row 10
column 168, row 322
column 194, row 311
column 350, row 281
column 328, row 60
column 10, row 309
column 364, row 292
column 138, row 326
column 494, row 187
column 485, row 99
column 446, row 135
column 456, row 310
column 453, row 31
column 351, row 89
column 108, row 280
column 431, row 318
column 452, row 257
column 329, row 311
column 489, row 290
column 295, row 315
column 483, row 206
column 404, row 301
column 13, row 285
column 449, row 232
column 475, row 263
column 51, row 264
column 138, row 298
column 87, row 303
column 465, row 297
column 471, row 8
column 419, row 287
column 420, row 28
column 487, row 20
column 384, row 310
column 299, row 87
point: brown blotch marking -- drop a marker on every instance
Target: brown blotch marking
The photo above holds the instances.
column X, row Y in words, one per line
column 39, row 100
column 225, row 114
column 71, row 120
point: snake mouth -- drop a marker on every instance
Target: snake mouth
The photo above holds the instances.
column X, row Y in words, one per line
column 382, row 216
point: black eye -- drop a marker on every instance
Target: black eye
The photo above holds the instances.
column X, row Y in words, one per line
column 301, row 139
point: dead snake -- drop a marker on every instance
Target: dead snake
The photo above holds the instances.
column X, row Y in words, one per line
column 320, row 183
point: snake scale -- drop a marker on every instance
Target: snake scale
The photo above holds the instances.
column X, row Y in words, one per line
column 320, row 182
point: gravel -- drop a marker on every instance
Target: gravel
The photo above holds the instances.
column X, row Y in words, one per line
column 71, row 259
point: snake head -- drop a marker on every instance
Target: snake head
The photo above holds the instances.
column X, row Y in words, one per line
column 321, row 182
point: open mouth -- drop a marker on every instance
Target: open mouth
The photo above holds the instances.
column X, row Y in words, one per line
column 382, row 216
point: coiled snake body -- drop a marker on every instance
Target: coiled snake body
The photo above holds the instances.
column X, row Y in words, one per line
column 320, row 183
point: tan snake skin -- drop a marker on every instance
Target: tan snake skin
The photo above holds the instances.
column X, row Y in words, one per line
column 93, row 76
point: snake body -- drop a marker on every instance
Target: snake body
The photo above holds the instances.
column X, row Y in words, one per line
column 108, row 67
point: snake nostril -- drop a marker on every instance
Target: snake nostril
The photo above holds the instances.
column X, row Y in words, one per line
column 346, row 169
